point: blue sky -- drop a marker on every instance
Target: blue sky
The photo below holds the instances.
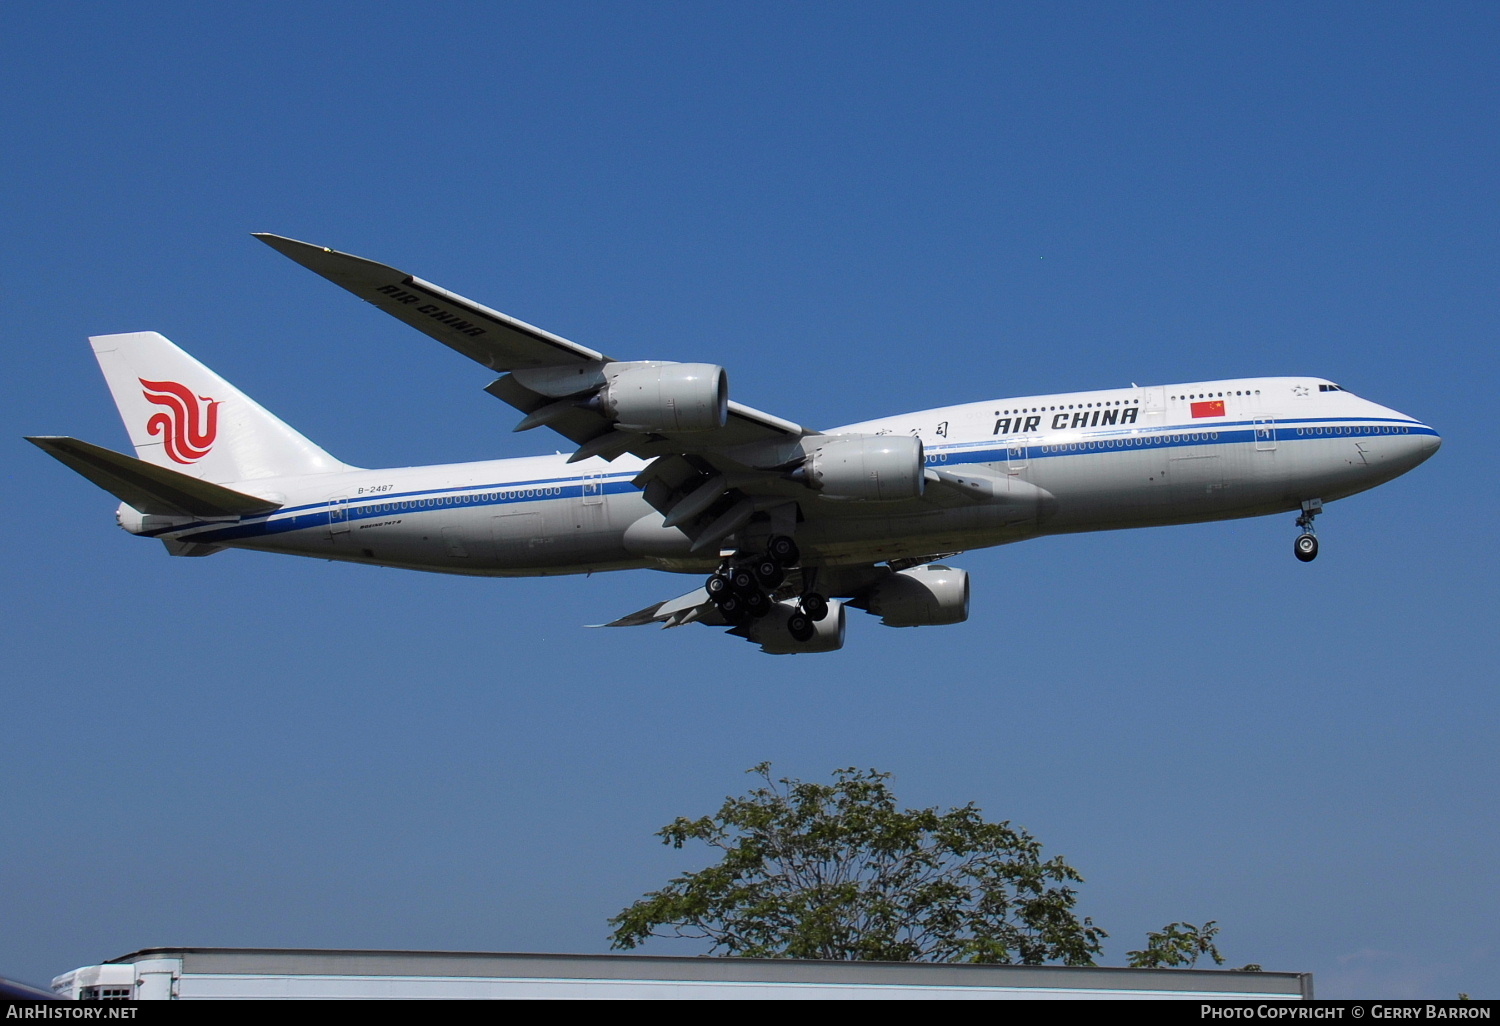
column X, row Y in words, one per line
column 859, row 209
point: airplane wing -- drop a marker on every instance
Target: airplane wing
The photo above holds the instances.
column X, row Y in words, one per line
column 715, row 464
column 551, row 367
column 694, row 607
column 500, row 342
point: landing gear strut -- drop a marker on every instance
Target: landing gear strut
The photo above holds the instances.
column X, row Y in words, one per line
column 1306, row 548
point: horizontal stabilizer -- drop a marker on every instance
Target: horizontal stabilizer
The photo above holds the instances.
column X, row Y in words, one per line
column 148, row 487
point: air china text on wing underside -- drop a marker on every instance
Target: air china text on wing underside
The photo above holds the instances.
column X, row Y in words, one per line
column 790, row 526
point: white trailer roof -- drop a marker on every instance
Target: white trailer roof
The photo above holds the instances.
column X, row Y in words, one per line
column 310, row 973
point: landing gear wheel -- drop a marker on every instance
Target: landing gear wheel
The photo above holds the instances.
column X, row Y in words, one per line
column 768, row 572
column 757, row 604
column 742, row 578
column 733, row 607
column 783, row 550
column 815, row 606
column 800, row 627
column 1306, row 546
column 716, row 585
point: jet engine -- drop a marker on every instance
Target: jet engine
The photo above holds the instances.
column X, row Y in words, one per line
column 924, row 596
column 872, row 467
column 670, row 397
column 771, row 634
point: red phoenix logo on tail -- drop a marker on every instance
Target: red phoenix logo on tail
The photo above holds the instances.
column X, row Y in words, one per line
column 188, row 431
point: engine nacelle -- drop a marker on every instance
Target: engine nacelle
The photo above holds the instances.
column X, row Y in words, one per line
column 670, row 397
column 924, row 596
column 770, row 633
column 879, row 468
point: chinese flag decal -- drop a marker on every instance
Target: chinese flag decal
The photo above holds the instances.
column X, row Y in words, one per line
column 1213, row 409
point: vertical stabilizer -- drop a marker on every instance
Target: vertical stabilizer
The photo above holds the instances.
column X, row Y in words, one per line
column 182, row 415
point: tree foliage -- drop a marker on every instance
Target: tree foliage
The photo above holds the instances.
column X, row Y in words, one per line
column 837, row 871
column 1177, row 946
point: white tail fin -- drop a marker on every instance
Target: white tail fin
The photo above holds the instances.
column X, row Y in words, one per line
column 182, row 415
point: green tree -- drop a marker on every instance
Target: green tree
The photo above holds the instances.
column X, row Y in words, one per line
column 1177, row 946
column 837, row 871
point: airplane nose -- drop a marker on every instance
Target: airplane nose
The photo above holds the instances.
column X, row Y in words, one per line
column 1419, row 447
column 1413, row 445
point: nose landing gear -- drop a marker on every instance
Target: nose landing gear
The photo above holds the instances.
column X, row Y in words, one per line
column 1306, row 547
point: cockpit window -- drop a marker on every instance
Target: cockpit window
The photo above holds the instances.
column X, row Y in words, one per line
column 1329, row 388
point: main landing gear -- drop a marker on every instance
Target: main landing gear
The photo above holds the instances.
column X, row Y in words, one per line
column 1306, row 547
column 745, row 590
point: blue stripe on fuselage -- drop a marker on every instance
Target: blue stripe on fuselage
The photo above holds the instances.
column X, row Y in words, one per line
column 320, row 514
column 1132, row 438
column 1172, row 436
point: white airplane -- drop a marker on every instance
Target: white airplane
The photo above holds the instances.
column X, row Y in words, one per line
column 670, row 474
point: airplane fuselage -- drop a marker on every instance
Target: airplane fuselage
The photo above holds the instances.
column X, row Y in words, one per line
column 1083, row 461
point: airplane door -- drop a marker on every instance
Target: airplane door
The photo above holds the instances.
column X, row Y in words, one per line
column 1154, row 403
column 1265, row 435
column 591, row 508
column 1015, row 456
column 338, row 518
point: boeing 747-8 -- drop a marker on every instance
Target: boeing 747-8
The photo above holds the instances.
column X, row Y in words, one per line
column 789, row 524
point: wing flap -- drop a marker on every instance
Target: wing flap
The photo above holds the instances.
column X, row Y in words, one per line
column 147, row 487
column 694, row 607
